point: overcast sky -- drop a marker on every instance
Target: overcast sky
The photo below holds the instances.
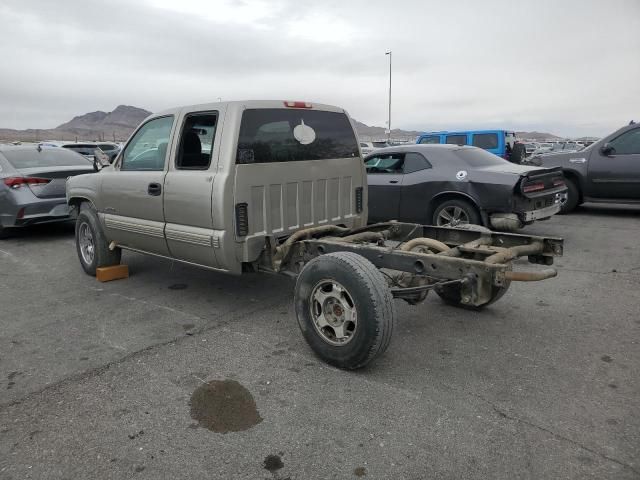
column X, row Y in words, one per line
column 567, row 67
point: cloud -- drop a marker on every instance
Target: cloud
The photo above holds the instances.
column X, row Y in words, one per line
column 569, row 67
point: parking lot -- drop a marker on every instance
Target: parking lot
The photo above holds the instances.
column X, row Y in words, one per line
column 96, row 380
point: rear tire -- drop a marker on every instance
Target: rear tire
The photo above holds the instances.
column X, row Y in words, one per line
column 345, row 309
column 91, row 243
column 451, row 296
column 454, row 212
column 573, row 197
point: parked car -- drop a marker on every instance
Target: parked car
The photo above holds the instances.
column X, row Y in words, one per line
column 32, row 184
column 605, row 171
column 87, row 149
column 449, row 185
column 530, row 148
column 366, row 148
column 280, row 187
column 498, row 142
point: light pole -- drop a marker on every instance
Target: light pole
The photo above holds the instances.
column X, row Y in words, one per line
column 389, row 121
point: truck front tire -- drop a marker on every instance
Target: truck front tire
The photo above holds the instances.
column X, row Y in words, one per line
column 345, row 309
column 91, row 243
column 572, row 199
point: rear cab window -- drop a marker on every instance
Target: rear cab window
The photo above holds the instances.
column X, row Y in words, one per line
column 292, row 135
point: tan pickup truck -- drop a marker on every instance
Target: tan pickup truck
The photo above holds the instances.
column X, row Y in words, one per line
column 280, row 186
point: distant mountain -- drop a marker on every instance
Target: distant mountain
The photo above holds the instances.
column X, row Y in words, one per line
column 538, row 136
column 368, row 133
column 99, row 125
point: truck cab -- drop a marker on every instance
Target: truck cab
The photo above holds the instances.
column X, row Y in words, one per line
column 207, row 184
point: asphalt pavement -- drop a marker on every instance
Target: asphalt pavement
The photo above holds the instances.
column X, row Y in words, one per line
column 180, row 373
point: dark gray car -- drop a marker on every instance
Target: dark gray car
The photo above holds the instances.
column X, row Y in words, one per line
column 33, row 182
column 607, row 171
column 448, row 185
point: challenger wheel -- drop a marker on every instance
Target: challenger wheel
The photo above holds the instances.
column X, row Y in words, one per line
column 345, row 309
column 452, row 213
column 91, row 244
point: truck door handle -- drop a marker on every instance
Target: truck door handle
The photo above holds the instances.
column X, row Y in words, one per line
column 154, row 189
column 393, row 181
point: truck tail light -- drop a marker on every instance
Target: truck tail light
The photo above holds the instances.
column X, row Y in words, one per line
column 242, row 220
column 290, row 104
column 17, row 182
column 533, row 187
column 359, row 199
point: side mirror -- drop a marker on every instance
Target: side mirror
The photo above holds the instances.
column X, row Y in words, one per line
column 607, row 149
column 100, row 160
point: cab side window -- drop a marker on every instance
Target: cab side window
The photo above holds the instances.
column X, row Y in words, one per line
column 389, row 163
column 148, row 148
column 457, row 139
column 196, row 142
column 626, row 144
column 414, row 162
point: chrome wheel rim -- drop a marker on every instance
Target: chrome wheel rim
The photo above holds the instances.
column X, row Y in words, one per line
column 452, row 216
column 333, row 312
column 87, row 246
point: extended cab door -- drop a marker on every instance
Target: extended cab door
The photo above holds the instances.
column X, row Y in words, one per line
column 384, row 176
column 188, row 189
column 616, row 174
column 130, row 200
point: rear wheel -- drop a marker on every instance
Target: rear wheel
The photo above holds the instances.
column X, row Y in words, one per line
column 91, row 243
column 345, row 309
column 571, row 199
column 451, row 295
column 452, row 213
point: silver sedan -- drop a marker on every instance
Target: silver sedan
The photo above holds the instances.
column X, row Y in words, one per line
column 33, row 184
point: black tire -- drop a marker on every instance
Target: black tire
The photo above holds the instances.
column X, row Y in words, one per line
column 365, row 292
column 451, row 296
column 467, row 209
column 573, row 197
column 102, row 256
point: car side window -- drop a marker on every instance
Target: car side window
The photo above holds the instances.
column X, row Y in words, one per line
column 485, row 140
column 414, row 162
column 457, row 139
column 626, row 144
column 196, row 141
column 148, row 148
column 389, row 163
column 431, row 139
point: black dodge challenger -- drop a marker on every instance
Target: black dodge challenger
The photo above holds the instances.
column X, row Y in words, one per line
column 450, row 185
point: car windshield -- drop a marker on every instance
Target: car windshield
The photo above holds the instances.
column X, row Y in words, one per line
column 477, row 157
column 46, row 157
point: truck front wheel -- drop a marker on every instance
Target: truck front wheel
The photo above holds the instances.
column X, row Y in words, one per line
column 91, row 243
column 345, row 309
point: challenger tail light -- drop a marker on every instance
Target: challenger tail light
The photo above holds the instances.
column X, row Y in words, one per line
column 533, row 187
column 290, row 104
column 17, row 182
column 559, row 182
column 242, row 220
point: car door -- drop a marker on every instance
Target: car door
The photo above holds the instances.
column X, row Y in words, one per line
column 416, row 188
column 131, row 191
column 615, row 174
column 188, row 188
column 384, row 176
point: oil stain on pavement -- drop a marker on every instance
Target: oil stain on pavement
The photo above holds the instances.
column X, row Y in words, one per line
column 224, row 406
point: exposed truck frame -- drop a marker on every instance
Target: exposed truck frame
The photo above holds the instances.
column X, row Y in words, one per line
column 252, row 218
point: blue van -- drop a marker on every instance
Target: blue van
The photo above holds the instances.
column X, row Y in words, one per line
column 494, row 141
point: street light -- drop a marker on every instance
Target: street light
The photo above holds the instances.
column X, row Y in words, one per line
column 389, row 121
